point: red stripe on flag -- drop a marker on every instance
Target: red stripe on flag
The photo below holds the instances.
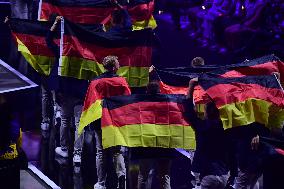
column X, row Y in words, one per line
column 91, row 15
column 111, row 87
column 87, row 15
column 141, row 12
column 36, row 44
column 238, row 92
column 280, row 151
column 200, row 96
column 129, row 115
column 260, row 69
column 139, row 56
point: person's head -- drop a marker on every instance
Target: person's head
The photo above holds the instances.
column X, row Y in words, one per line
column 197, row 61
column 153, row 87
column 111, row 63
column 211, row 111
column 117, row 17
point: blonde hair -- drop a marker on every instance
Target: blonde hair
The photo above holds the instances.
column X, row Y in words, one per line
column 109, row 62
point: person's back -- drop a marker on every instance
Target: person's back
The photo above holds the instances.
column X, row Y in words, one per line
column 111, row 84
column 107, row 85
column 210, row 155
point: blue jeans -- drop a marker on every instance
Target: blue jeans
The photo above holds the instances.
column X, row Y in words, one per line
column 70, row 107
column 101, row 157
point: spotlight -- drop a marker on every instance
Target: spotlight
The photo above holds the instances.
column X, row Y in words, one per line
column 203, row 7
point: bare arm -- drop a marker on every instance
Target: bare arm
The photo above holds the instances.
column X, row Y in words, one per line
column 50, row 37
column 192, row 84
column 57, row 20
column 189, row 106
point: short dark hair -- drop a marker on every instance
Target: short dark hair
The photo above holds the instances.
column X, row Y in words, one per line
column 118, row 16
column 109, row 62
column 197, row 61
column 153, row 87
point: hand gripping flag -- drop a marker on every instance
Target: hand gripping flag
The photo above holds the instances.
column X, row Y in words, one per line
column 245, row 100
column 104, row 86
column 146, row 121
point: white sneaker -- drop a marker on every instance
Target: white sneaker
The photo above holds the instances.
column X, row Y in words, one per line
column 62, row 153
column 98, row 186
column 44, row 126
column 77, row 156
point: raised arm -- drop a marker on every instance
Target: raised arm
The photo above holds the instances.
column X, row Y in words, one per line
column 189, row 105
column 50, row 36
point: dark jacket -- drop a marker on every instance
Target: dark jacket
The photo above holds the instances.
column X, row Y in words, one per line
column 248, row 159
column 210, row 155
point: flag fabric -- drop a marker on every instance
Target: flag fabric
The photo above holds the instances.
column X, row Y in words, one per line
column 30, row 39
column 175, row 80
column 84, row 50
column 265, row 65
column 99, row 11
column 245, row 100
column 106, row 85
column 146, row 121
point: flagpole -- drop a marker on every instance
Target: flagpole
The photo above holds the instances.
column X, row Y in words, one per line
column 278, row 81
column 61, row 46
column 39, row 10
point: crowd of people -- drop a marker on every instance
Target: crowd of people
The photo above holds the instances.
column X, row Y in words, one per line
column 233, row 158
column 233, row 24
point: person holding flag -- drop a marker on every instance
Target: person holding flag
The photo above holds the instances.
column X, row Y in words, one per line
column 210, row 158
column 106, row 85
column 70, row 94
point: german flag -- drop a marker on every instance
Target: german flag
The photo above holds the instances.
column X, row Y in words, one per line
column 245, row 100
column 99, row 11
column 84, row 50
column 265, row 65
column 30, row 39
column 175, row 80
column 146, row 121
column 104, row 86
